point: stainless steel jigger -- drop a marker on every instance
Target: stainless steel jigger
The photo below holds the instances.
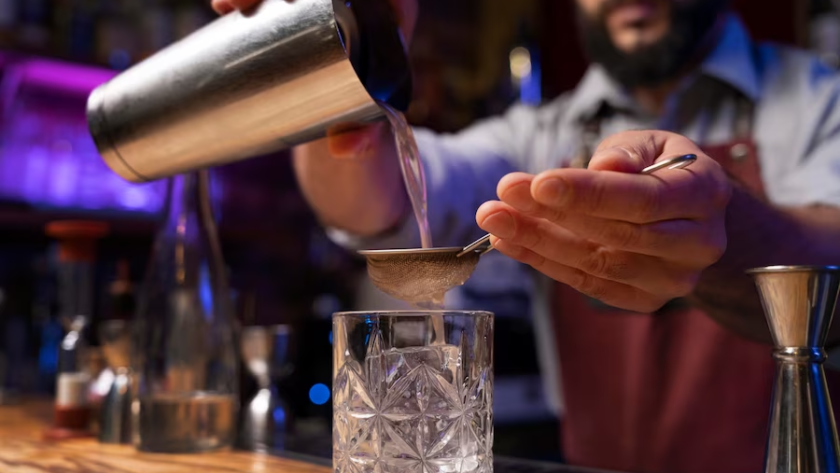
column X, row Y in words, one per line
column 799, row 304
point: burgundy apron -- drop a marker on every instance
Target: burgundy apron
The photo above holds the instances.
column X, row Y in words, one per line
column 670, row 392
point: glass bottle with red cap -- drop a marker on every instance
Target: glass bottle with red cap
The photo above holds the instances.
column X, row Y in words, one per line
column 76, row 259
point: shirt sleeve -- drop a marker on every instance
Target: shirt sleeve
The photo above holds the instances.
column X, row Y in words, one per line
column 813, row 173
column 462, row 171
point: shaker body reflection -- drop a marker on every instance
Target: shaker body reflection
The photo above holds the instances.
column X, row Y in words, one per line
column 184, row 352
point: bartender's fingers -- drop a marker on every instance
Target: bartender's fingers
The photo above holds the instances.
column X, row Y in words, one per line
column 613, row 187
column 702, row 187
column 223, row 7
column 610, row 292
column 558, row 245
column 690, row 241
column 670, row 194
column 632, row 151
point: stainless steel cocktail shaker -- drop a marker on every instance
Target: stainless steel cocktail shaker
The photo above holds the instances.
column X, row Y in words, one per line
column 250, row 83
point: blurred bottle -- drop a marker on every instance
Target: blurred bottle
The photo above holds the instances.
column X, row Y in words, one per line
column 185, row 357
column 114, row 330
column 45, row 318
column 8, row 20
column 77, row 254
column 158, row 27
column 72, row 409
column 121, row 297
column 190, row 16
column 34, row 24
column 118, row 34
column 74, row 28
column 824, row 31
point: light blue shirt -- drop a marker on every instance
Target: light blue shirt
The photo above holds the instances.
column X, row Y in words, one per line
column 795, row 124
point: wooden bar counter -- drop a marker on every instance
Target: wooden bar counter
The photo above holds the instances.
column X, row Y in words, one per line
column 23, row 450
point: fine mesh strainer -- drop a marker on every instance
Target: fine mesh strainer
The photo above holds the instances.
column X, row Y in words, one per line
column 421, row 277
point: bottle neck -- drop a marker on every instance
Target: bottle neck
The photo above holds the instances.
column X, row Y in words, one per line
column 182, row 197
column 189, row 194
column 190, row 216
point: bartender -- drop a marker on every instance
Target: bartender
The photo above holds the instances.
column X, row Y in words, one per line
column 666, row 361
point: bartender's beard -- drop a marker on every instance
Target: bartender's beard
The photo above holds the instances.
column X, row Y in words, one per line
column 690, row 26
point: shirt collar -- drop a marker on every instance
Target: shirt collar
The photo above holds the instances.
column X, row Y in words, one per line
column 731, row 61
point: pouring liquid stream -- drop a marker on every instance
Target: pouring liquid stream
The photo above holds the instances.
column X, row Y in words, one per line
column 414, row 177
column 412, row 170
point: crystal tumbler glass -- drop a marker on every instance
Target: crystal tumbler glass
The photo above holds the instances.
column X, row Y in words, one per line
column 413, row 392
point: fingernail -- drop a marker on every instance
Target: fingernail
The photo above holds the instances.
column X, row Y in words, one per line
column 500, row 224
column 552, row 191
column 520, row 198
column 615, row 159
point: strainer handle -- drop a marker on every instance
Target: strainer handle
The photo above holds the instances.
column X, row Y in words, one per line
column 478, row 246
column 678, row 162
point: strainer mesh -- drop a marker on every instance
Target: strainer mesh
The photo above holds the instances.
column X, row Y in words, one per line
column 420, row 278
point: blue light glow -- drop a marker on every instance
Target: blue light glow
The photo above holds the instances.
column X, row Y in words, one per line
column 205, row 291
column 531, row 89
column 319, row 394
column 279, row 415
column 119, row 59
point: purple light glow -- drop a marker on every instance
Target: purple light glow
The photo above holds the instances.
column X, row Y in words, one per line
column 47, row 157
column 62, row 75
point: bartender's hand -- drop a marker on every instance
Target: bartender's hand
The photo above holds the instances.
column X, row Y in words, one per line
column 632, row 241
column 223, row 7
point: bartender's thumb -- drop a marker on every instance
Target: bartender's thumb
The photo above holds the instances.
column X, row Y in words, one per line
column 632, row 151
column 618, row 158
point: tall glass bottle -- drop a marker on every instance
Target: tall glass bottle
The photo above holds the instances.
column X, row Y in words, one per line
column 184, row 359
